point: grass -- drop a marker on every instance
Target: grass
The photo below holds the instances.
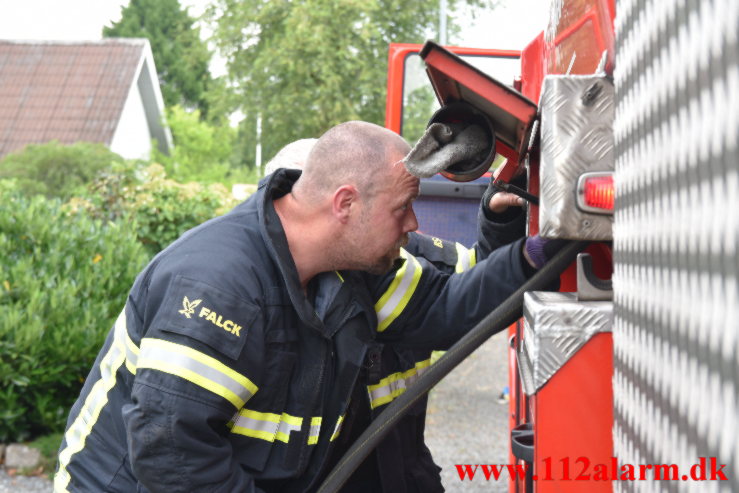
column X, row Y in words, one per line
column 48, row 445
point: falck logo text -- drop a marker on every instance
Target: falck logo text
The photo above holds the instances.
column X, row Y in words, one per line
column 188, row 310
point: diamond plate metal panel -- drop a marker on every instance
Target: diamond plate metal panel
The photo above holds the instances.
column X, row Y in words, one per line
column 676, row 231
column 556, row 326
column 576, row 137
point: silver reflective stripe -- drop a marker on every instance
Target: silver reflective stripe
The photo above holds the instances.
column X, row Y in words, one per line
column 266, row 426
column 132, row 350
column 395, row 384
column 257, row 425
column 196, row 367
column 132, row 356
column 465, row 258
column 96, row 400
column 337, row 428
column 288, row 424
column 315, row 430
column 395, row 299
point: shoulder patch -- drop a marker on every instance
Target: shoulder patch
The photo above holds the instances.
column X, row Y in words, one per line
column 441, row 253
column 207, row 314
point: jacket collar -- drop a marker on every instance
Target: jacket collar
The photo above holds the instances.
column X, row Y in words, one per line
column 325, row 287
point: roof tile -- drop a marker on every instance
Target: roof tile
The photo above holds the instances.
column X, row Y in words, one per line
column 64, row 91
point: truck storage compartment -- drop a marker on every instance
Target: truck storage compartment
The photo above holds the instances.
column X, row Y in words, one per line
column 565, row 366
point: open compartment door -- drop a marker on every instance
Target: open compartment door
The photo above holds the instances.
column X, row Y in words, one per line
column 512, row 114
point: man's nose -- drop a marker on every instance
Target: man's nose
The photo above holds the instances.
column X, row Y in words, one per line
column 411, row 223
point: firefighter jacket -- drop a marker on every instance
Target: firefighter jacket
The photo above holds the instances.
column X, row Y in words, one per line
column 221, row 374
column 403, row 461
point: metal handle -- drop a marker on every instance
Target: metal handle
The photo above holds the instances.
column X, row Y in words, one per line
column 522, row 442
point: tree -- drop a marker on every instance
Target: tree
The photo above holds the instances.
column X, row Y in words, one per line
column 180, row 56
column 306, row 65
column 419, row 106
column 202, row 150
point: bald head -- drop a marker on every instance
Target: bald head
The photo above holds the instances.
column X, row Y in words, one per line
column 351, row 208
column 292, row 156
column 356, row 153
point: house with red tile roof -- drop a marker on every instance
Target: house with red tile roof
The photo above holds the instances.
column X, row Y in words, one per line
column 96, row 91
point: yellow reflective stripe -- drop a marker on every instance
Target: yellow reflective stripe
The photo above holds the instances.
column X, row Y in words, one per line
column 288, row 424
column 196, row 367
column 339, row 274
column 95, row 401
column 395, row 384
column 271, row 426
column 265, row 426
column 399, row 275
column 436, row 355
column 466, row 258
column 337, row 429
column 315, row 430
column 132, row 353
column 256, row 425
column 398, row 294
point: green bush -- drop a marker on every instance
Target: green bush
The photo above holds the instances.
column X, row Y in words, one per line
column 57, row 170
column 64, row 278
column 163, row 209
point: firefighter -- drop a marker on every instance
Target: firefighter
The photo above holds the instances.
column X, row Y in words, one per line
column 234, row 364
column 403, row 461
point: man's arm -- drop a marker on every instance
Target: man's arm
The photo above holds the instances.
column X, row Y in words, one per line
column 419, row 306
column 177, row 443
column 193, row 373
column 501, row 223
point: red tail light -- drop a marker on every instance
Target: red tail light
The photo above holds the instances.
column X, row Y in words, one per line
column 595, row 192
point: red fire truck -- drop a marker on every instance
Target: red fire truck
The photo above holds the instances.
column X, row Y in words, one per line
column 629, row 376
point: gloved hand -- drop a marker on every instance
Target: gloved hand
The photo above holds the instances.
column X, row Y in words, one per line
column 443, row 145
column 496, row 201
column 538, row 251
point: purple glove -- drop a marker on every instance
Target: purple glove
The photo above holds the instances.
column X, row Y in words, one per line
column 539, row 250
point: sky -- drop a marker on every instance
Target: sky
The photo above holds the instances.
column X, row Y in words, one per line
column 512, row 25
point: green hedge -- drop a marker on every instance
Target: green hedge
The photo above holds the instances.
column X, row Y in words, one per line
column 65, row 271
column 64, row 278
column 162, row 208
column 57, row 170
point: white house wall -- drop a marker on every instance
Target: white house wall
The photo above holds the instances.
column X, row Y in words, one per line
column 132, row 139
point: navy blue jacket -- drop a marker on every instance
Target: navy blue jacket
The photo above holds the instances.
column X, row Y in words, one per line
column 220, row 373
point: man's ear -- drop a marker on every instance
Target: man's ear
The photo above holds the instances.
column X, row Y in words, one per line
column 343, row 199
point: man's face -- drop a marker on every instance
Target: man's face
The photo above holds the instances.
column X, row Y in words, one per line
column 384, row 222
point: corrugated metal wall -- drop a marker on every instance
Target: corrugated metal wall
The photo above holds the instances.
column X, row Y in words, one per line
column 676, row 231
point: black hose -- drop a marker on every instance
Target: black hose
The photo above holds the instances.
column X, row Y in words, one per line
column 504, row 315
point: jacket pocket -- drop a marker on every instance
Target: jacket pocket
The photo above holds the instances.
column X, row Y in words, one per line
column 210, row 315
